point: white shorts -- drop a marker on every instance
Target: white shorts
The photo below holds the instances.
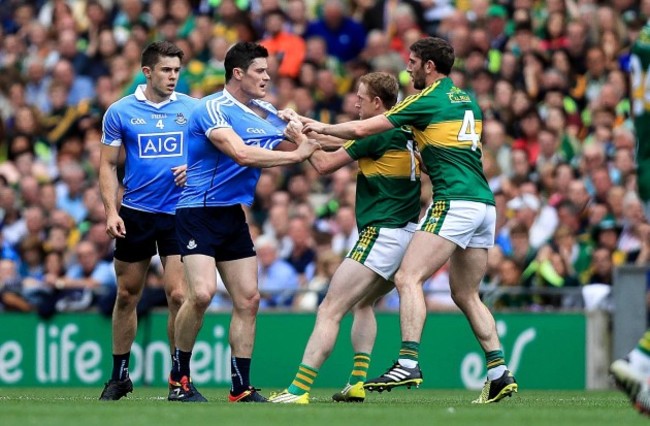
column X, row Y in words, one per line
column 382, row 249
column 465, row 223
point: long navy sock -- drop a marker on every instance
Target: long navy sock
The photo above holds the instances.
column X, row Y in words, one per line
column 121, row 366
column 240, row 374
column 181, row 365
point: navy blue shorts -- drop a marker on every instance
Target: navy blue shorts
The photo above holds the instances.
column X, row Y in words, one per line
column 218, row 232
column 146, row 235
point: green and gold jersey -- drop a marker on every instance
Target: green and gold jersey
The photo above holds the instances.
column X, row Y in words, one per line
column 447, row 124
column 388, row 184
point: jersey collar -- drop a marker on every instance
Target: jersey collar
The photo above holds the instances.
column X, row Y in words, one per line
column 139, row 95
column 245, row 107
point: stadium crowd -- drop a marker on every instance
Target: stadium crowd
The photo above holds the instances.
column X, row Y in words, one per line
column 550, row 76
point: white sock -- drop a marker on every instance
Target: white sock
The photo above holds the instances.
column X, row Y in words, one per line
column 408, row 363
column 640, row 361
column 496, row 372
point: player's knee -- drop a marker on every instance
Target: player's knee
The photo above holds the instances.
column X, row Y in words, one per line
column 249, row 303
column 405, row 279
column 176, row 297
column 463, row 298
column 201, row 299
column 329, row 311
column 127, row 297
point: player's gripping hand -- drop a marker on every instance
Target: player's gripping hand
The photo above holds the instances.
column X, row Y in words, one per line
column 115, row 227
column 314, row 126
column 180, row 174
column 288, row 114
column 293, row 132
column 307, row 148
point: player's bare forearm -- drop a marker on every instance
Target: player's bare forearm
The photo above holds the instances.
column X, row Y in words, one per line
column 108, row 186
column 329, row 143
column 328, row 162
column 352, row 129
column 228, row 142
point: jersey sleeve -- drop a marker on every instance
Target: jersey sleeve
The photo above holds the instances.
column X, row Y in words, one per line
column 360, row 148
column 409, row 112
column 210, row 116
column 111, row 128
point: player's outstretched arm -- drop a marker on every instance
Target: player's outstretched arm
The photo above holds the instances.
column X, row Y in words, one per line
column 323, row 162
column 228, row 142
column 352, row 129
column 108, row 187
column 328, row 143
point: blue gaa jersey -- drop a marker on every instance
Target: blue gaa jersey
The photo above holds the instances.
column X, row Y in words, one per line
column 213, row 178
column 155, row 140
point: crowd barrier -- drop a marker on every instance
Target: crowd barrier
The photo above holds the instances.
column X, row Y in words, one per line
column 544, row 350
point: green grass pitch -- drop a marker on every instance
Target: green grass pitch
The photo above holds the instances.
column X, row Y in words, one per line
column 401, row 407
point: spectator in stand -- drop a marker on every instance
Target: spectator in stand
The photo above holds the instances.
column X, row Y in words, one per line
column 70, row 191
column 278, row 280
column 314, row 291
column 509, row 279
column 297, row 17
column 497, row 19
column 345, row 38
column 530, row 125
column 553, row 267
column 302, row 256
column 79, row 87
column 88, row 281
column 634, row 227
column 11, row 298
column 379, row 55
column 555, row 32
column 540, row 220
column 289, row 48
column 346, row 234
column 31, row 258
column 36, row 87
column 37, row 291
column 602, row 267
column 549, row 149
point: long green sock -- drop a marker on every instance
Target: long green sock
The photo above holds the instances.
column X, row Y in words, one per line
column 304, row 380
column 496, row 364
column 409, row 350
column 360, row 369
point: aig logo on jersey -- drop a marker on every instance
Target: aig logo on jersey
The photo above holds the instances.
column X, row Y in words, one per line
column 157, row 145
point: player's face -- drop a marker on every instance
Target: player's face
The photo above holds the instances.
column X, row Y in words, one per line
column 415, row 68
column 164, row 76
column 364, row 104
column 256, row 79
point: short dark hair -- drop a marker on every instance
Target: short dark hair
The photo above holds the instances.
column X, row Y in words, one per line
column 383, row 85
column 241, row 55
column 158, row 49
column 437, row 50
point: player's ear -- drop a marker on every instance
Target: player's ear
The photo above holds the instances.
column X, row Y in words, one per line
column 238, row 73
column 146, row 71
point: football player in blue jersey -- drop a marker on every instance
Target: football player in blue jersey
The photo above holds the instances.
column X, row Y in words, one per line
column 233, row 133
column 152, row 125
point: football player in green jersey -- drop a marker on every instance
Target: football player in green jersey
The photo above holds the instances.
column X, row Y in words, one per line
column 459, row 225
column 387, row 211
